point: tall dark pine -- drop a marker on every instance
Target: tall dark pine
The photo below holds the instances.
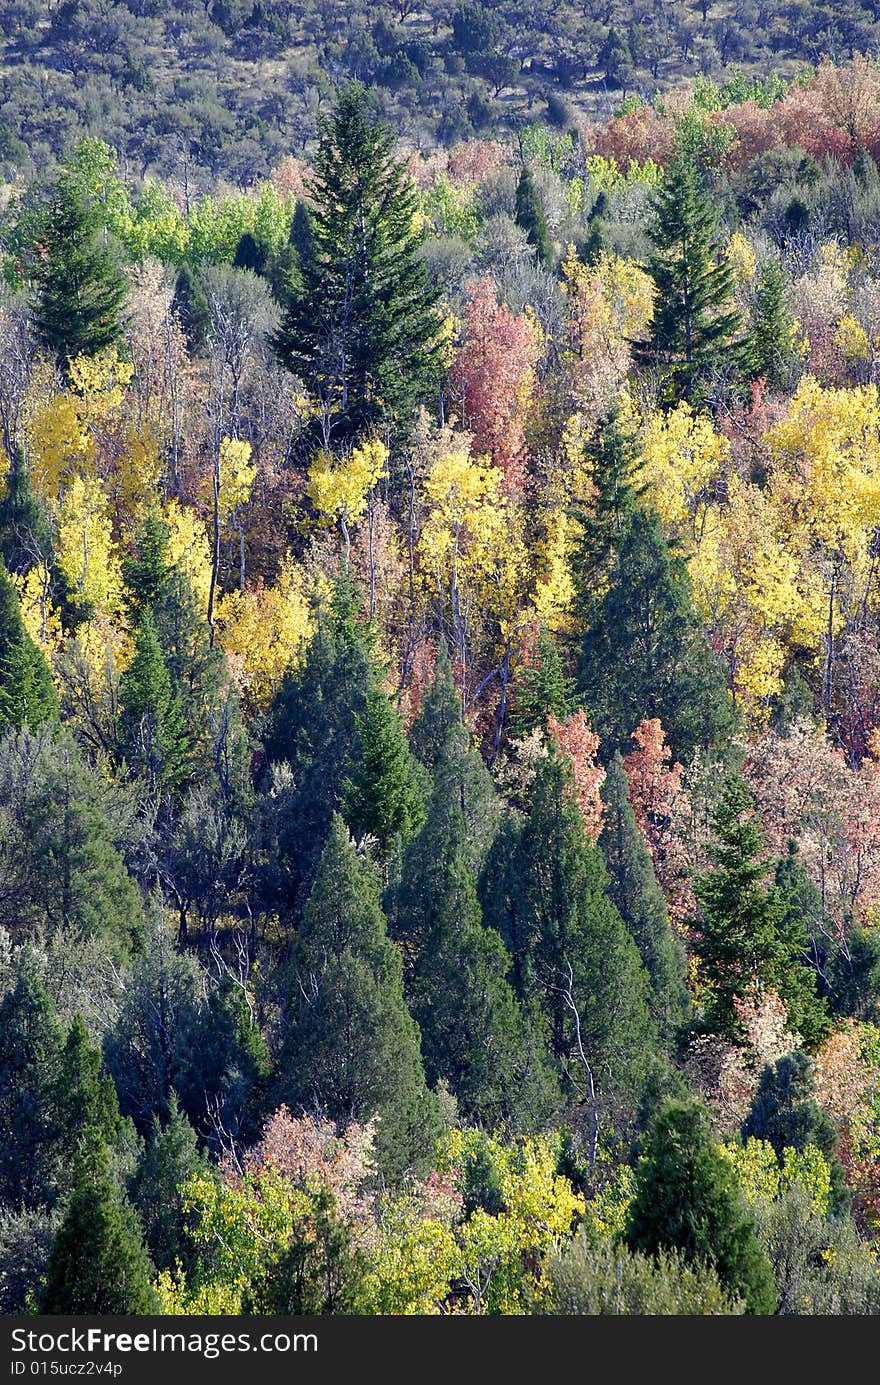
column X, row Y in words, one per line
column 79, row 288
column 530, row 216
column 768, row 352
column 693, row 325
column 27, row 697
column 362, row 331
column 640, row 903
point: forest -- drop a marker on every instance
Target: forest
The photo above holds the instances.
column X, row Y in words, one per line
column 440, row 708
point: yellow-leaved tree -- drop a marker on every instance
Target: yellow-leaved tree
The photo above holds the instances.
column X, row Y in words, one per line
column 340, row 488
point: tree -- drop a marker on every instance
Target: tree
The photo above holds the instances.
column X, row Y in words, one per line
column 634, row 889
column 30, row 1053
column 748, row 938
column 320, row 1272
column 170, row 1158
column 382, row 797
column 542, row 689
column 80, row 290
column 98, row 1264
column 686, row 1200
column 27, row 697
column 352, row 1048
column 645, row 654
column 768, row 351
column 785, row 1113
column 363, row 332
column 530, row 216
column 153, row 734
column 191, row 307
column 692, row 326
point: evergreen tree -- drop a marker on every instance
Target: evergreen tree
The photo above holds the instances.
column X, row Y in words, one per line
column 98, row 1264
column 30, row 1055
column 530, row 216
column 62, row 869
column 153, row 734
column 784, row 1112
column 645, row 654
column 692, row 326
column 383, row 796
column 363, row 332
column 352, row 1048
column 800, row 921
column 80, row 289
column 191, row 306
column 320, row 1274
column 613, row 463
column 170, row 1158
column 542, row 689
column 27, row 697
column 570, row 952
column 475, row 1034
column 633, row 888
column 220, row 1065
column 146, row 568
column 686, row 1199
column 748, row 939
column 24, row 528
column 84, row 1100
column 768, row 351
column 312, row 728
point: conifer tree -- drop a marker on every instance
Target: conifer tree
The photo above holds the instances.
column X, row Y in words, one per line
column 768, row 351
column 748, row 939
column 170, row 1158
column 84, row 1099
column 686, row 1199
column 352, row 1048
column 571, row 954
column 221, row 1064
column 98, row 1264
column 633, row 888
column 80, row 289
column 692, row 326
column 153, row 734
column 785, row 1113
column 645, row 654
column 27, row 697
column 382, row 796
column 542, row 689
column 530, row 216
column 24, row 528
column 191, row 306
column 30, row 1054
column 362, row 333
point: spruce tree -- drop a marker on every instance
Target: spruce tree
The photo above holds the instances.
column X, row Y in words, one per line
column 221, row 1064
column 87, row 1110
column 692, row 326
column 98, row 1264
column 27, row 697
column 542, row 689
column 153, row 734
column 24, row 528
column 768, row 351
column 571, row 954
column 352, row 1048
column 645, row 654
column 383, row 796
column 489, row 1049
column 530, row 216
column 30, row 1055
column 80, row 289
column 785, row 1113
column 363, row 332
column 170, row 1158
column 748, row 941
column 191, row 306
column 686, row 1199
column 633, row 888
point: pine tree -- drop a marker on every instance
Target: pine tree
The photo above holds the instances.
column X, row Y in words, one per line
column 153, row 734
column 476, row 1036
column 24, row 528
column 191, row 306
column 320, row 1274
column 146, row 569
column 363, row 332
column 571, row 954
column 98, row 1264
column 645, row 654
column 686, row 1199
column 383, row 796
column 692, row 327
column 30, row 1054
column 633, row 888
column 768, row 351
column 352, row 1048
column 530, row 216
column 801, row 915
column 80, row 289
column 221, row 1064
column 613, row 462
column 27, row 697
column 745, row 941
column 170, row 1158
column 785, row 1113
column 542, row 689
column 84, row 1099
